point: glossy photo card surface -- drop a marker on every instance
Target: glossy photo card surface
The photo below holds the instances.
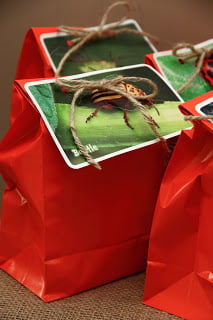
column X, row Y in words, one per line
column 111, row 52
column 178, row 73
column 44, row 47
column 106, row 134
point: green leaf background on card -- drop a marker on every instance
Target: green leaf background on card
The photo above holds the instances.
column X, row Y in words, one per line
column 177, row 74
column 120, row 50
column 44, row 96
column 107, row 131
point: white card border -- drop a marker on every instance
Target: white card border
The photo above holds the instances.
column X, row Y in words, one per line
column 62, row 34
column 91, row 73
column 169, row 52
column 203, row 104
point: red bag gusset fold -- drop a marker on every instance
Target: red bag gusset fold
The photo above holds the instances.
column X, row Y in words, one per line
column 180, row 261
column 66, row 230
column 33, row 60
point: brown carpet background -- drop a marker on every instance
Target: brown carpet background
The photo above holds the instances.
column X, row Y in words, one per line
column 119, row 300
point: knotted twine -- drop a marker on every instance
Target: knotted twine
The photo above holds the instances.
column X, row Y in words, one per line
column 200, row 53
column 82, row 36
column 102, row 31
column 79, row 86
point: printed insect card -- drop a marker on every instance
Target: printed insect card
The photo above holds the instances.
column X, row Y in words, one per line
column 119, row 50
column 177, row 72
column 107, row 124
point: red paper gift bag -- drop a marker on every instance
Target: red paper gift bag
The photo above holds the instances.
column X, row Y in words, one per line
column 66, row 230
column 180, row 262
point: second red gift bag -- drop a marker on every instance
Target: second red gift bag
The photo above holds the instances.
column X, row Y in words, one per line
column 180, row 263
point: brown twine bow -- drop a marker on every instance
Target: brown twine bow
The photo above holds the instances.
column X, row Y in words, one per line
column 200, row 53
column 203, row 117
column 79, row 86
column 84, row 35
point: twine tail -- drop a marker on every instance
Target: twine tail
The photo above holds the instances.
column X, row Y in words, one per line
column 79, row 43
column 201, row 54
column 78, row 142
column 194, row 75
column 109, row 9
column 203, row 117
column 148, row 118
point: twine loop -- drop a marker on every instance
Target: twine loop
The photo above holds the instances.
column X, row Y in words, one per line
column 84, row 35
column 200, row 53
column 79, row 86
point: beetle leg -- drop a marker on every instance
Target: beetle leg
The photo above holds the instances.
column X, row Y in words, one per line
column 154, row 106
column 158, row 112
column 156, row 123
column 93, row 114
column 126, row 119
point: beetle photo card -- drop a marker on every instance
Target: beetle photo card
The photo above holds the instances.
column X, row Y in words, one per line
column 106, row 134
column 178, row 73
column 120, row 50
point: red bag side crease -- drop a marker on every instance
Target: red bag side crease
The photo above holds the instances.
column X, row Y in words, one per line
column 180, row 263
